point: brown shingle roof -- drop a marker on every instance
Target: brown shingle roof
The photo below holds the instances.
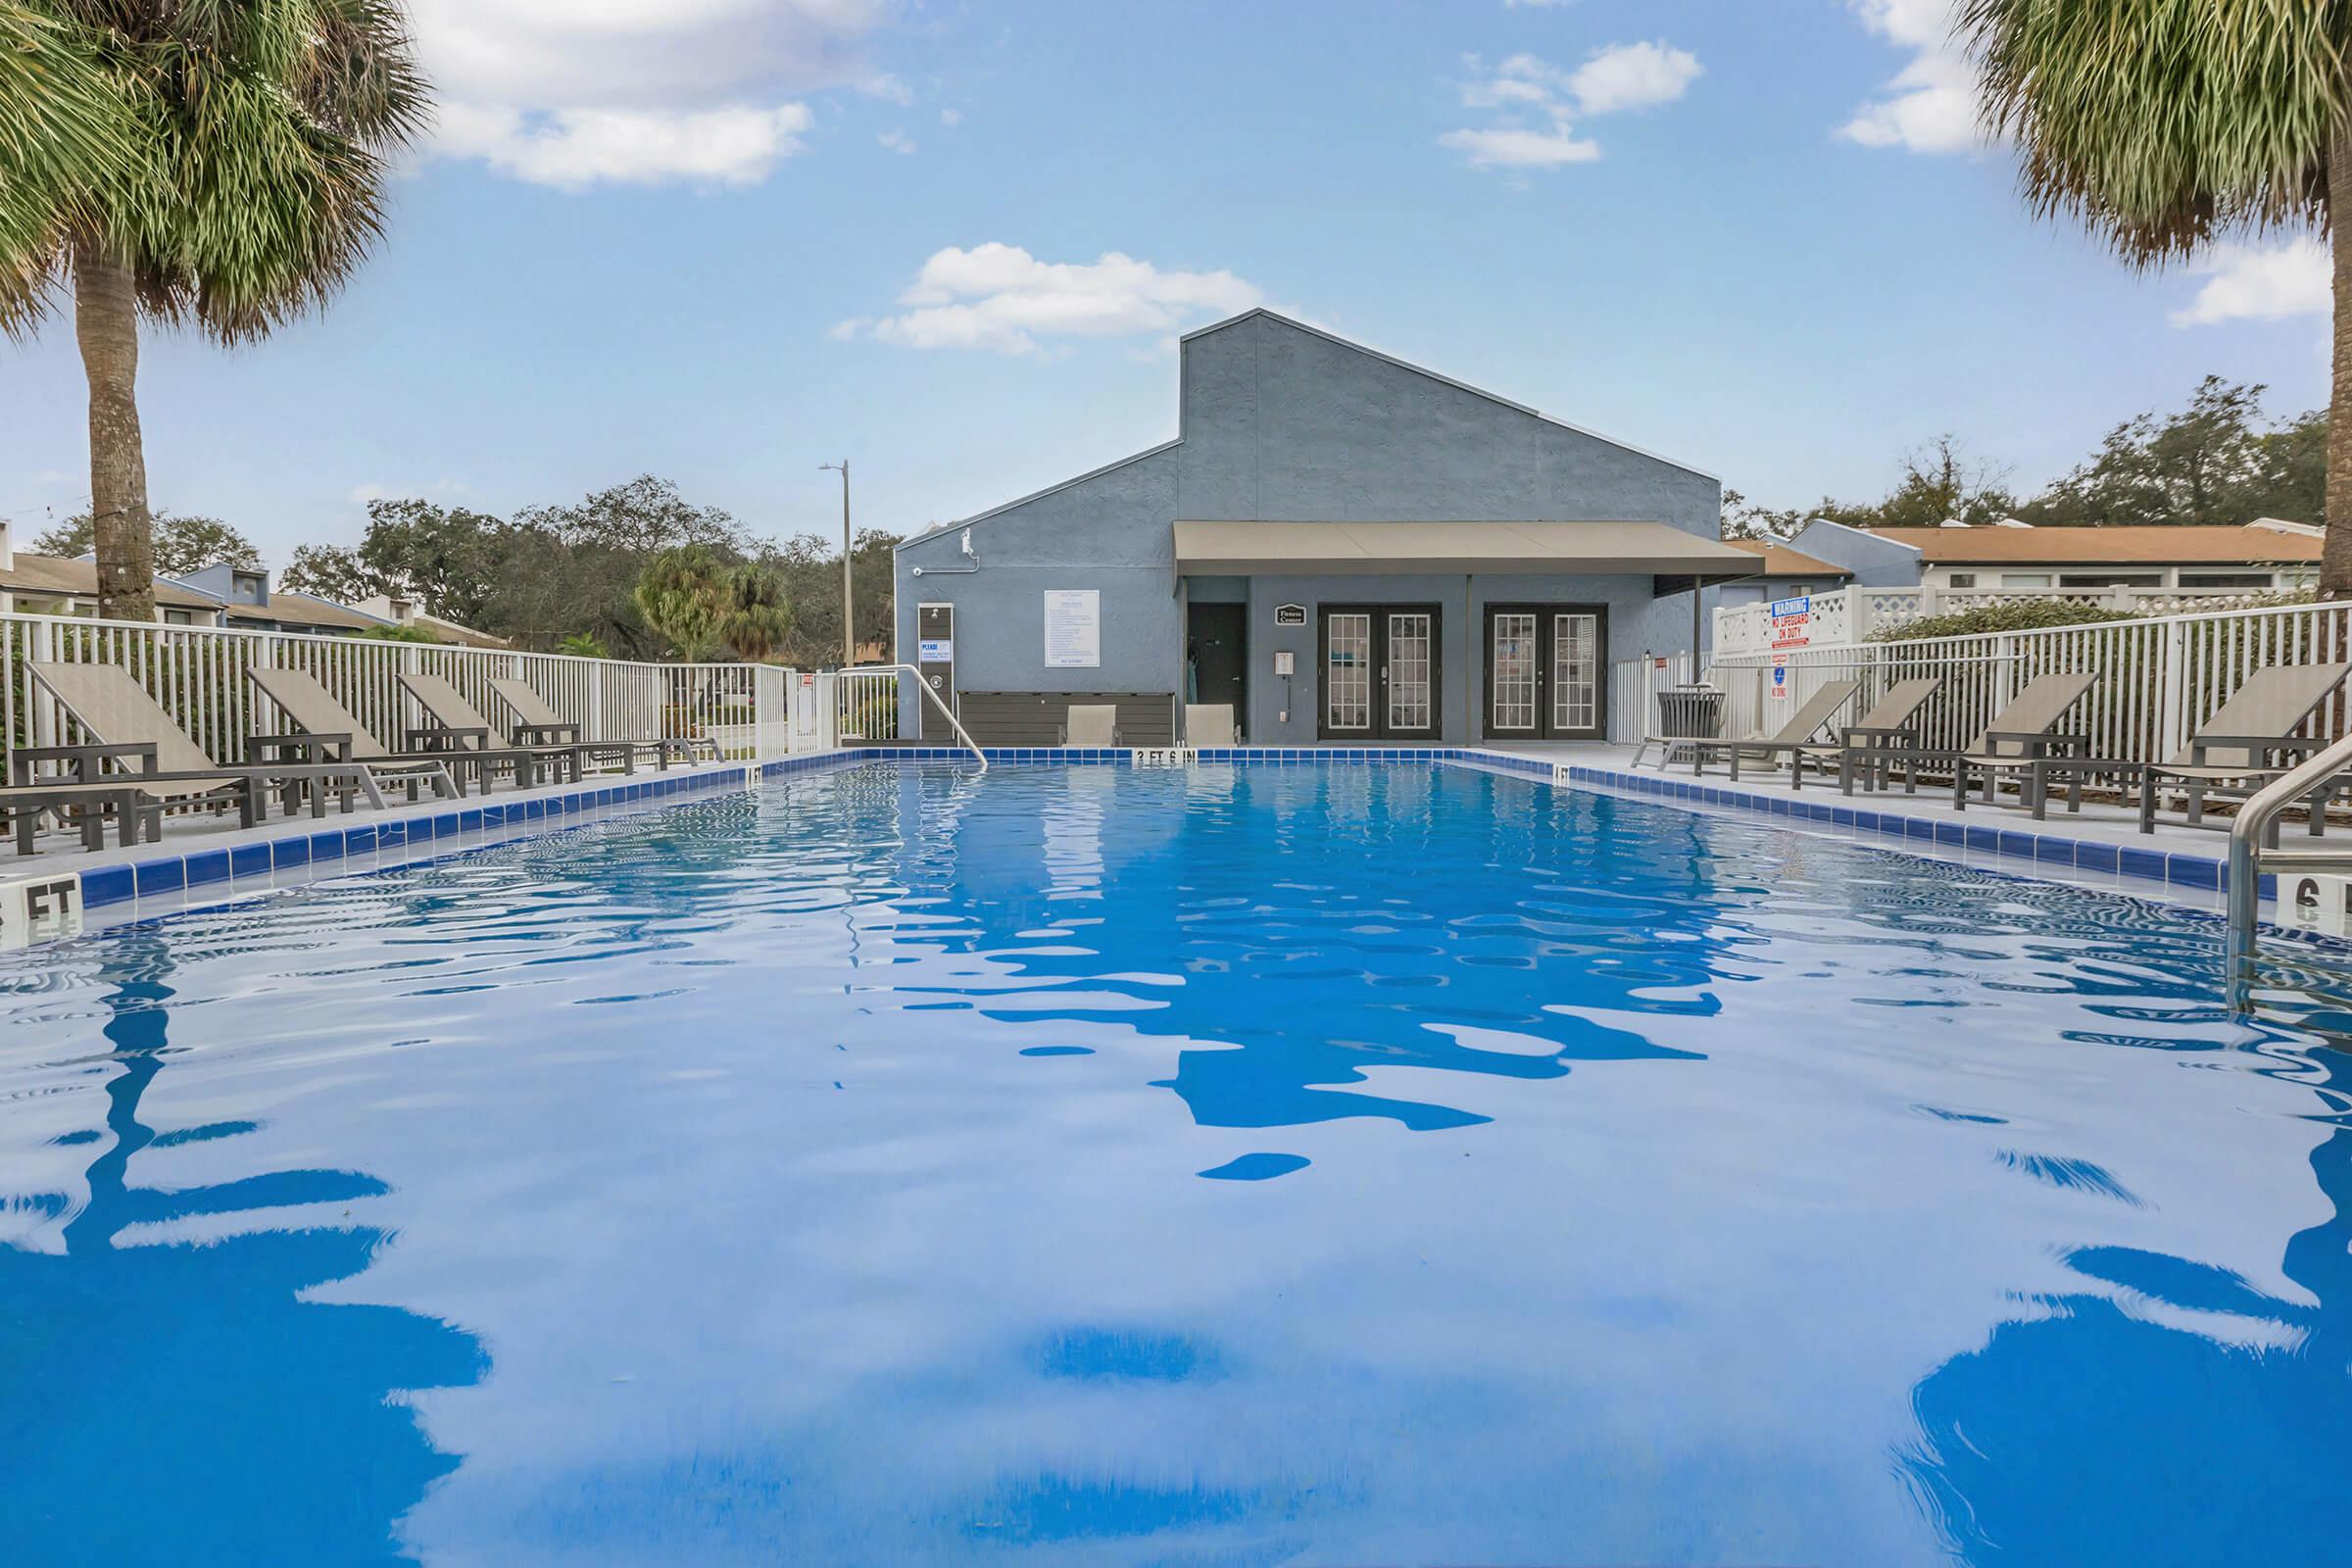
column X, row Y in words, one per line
column 286, row 609
column 1782, row 562
column 56, row 575
column 2187, row 544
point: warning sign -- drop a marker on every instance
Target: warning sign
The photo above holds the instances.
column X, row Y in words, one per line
column 1792, row 621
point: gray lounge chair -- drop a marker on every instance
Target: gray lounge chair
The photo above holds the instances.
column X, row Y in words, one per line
column 1091, row 724
column 1890, row 731
column 1801, row 727
column 317, row 715
column 1208, row 724
column 457, row 726
column 538, row 724
column 146, row 747
column 2021, row 740
column 2246, row 743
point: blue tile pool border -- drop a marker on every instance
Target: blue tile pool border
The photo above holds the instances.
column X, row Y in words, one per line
column 325, row 851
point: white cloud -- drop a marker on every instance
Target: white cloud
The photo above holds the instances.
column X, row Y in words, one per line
column 576, row 147
column 1538, row 102
column 1521, row 147
column 1001, row 298
column 575, row 92
column 950, row 117
column 2260, row 283
column 1930, row 104
column 1633, row 75
column 898, row 141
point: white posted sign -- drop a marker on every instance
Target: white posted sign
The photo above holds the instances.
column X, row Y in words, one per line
column 1073, row 628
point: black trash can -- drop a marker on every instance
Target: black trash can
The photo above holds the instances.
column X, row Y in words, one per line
column 1691, row 712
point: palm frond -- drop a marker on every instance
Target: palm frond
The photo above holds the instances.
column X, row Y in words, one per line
column 70, row 152
column 2161, row 122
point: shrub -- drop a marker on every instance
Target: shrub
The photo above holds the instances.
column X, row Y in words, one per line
column 2017, row 614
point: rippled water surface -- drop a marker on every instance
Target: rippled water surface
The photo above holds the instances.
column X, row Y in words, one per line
column 1085, row 1165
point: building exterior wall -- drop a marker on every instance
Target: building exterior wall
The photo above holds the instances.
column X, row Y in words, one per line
column 1278, row 423
column 1875, row 563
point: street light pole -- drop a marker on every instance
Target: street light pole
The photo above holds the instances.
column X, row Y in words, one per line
column 849, row 633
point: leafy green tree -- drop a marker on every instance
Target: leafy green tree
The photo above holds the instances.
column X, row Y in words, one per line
column 1940, row 483
column 332, row 572
column 575, row 568
column 579, row 645
column 2161, row 125
column 2215, row 460
column 263, row 134
column 181, row 544
column 811, row 572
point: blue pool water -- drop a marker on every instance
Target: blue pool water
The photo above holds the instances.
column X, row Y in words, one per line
column 1236, row 1166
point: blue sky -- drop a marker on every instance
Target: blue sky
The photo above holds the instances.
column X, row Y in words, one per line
column 727, row 240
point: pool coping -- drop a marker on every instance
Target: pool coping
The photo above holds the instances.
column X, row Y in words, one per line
column 170, row 883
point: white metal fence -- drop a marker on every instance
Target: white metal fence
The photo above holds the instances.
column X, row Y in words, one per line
column 2158, row 678
column 198, row 674
column 1856, row 614
column 867, row 705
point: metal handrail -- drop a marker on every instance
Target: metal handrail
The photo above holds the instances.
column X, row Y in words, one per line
column 2253, row 825
column 924, row 687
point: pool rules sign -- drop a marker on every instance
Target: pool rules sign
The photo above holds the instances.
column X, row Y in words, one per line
column 1073, row 628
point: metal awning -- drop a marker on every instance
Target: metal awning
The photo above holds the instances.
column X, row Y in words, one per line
column 1388, row 549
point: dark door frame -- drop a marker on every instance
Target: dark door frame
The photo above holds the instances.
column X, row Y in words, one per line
column 1378, row 729
column 1240, row 615
column 1543, row 728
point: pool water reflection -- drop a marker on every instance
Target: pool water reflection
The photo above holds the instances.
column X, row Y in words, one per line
column 1224, row 1165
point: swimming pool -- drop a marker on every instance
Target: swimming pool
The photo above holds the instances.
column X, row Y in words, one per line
column 1227, row 1165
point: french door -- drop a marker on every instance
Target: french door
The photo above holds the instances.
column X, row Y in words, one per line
column 1547, row 672
column 1380, row 672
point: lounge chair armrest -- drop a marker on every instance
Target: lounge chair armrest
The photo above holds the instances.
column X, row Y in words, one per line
column 2037, row 743
column 85, row 762
column 2258, row 745
column 304, row 747
column 442, row 738
column 1879, row 732
column 547, row 734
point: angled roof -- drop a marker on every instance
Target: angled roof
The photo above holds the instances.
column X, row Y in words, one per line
column 1782, row 562
column 2175, row 545
column 56, row 575
column 289, row 607
column 1445, row 380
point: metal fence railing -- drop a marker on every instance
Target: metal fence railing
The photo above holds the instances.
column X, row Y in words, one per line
column 867, row 705
column 198, row 674
column 2158, row 677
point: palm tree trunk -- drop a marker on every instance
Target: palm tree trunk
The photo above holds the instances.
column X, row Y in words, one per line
column 2336, row 554
column 105, row 323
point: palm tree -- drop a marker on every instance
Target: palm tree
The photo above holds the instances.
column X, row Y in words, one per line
column 254, row 185
column 2161, row 124
column 704, row 605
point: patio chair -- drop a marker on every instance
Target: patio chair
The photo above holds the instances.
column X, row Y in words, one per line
column 136, row 742
column 1208, row 724
column 2022, row 741
column 2246, row 743
column 1091, row 724
column 301, row 701
column 457, row 726
column 1802, row 727
column 538, row 724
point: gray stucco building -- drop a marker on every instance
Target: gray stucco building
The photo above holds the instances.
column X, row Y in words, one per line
column 1344, row 547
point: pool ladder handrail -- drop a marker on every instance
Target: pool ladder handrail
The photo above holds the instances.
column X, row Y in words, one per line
column 937, row 702
column 2252, row 827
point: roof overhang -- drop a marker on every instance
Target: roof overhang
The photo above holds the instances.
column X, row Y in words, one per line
column 1675, row 559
